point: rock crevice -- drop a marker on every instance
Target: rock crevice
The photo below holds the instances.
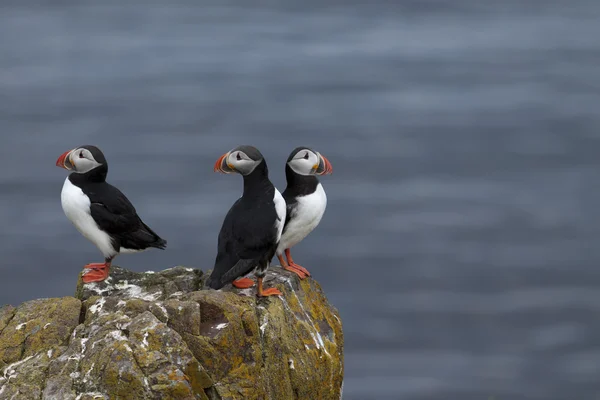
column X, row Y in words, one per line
column 159, row 336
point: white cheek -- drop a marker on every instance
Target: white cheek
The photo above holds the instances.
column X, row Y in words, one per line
column 83, row 164
column 302, row 166
column 246, row 166
column 231, row 160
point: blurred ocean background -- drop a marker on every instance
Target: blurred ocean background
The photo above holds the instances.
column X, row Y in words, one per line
column 460, row 242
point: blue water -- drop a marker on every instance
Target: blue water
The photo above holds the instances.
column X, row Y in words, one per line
column 459, row 243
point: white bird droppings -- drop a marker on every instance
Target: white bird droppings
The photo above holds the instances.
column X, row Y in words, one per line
column 10, row 371
column 264, row 325
column 94, row 395
column 98, row 306
column 136, row 292
column 117, row 335
column 163, row 309
column 83, row 342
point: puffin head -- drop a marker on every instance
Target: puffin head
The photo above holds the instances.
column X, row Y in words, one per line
column 305, row 161
column 82, row 159
column 242, row 159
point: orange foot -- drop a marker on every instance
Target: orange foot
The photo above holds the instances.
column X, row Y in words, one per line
column 300, row 274
column 95, row 272
column 95, row 265
column 299, row 268
column 267, row 292
column 292, row 266
column 270, row 292
column 243, row 283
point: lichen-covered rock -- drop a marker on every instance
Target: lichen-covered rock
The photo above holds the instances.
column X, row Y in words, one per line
column 29, row 336
column 163, row 336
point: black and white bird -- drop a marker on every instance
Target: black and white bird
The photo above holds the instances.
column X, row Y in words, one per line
column 100, row 211
column 252, row 227
column 305, row 200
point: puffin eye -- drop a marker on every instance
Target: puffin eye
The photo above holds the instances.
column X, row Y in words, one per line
column 81, row 155
column 238, row 157
column 306, row 156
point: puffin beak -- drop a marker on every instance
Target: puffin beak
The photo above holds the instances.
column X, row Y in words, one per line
column 222, row 166
column 324, row 167
column 64, row 161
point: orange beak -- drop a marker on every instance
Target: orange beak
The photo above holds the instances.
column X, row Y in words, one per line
column 64, row 161
column 222, row 166
column 324, row 167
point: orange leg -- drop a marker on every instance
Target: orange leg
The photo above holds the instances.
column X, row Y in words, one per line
column 243, row 283
column 268, row 292
column 290, row 268
column 95, row 265
column 96, row 272
column 293, row 264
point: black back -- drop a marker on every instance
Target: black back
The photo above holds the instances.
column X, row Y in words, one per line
column 113, row 212
column 248, row 236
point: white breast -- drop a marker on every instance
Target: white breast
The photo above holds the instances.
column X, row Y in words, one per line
column 76, row 206
column 306, row 216
column 280, row 208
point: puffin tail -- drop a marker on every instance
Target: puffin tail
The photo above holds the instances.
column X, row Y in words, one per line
column 160, row 243
column 214, row 282
column 157, row 241
column 218, row 279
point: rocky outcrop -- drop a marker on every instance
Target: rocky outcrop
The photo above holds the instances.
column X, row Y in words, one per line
column 161, row 336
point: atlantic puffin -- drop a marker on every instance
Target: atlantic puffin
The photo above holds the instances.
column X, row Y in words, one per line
column 252, row 227
column 100, row 212
column 305, row 201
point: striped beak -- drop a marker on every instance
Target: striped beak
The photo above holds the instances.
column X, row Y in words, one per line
column 223, row 166
column 64, row 161
column 324, row 167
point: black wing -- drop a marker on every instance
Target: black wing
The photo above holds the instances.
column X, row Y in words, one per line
column 115, row 214
column 291, row 203
column 247, row 237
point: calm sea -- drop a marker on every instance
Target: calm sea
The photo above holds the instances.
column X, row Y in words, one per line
column 460, row 242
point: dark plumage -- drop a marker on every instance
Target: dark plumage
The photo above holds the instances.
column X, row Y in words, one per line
column 252, row 227
column 114, row 214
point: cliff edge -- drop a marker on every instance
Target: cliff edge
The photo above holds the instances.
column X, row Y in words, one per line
column 159, row 336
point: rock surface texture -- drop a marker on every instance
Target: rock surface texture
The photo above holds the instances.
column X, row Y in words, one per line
column 159, row 336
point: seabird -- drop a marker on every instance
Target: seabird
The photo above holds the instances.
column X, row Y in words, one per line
column 252, row 227
column 305, row 200
column 100, row 211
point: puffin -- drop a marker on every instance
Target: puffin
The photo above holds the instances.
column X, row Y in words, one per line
column 253, row 225
column 305, row 202
column 100, row 212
